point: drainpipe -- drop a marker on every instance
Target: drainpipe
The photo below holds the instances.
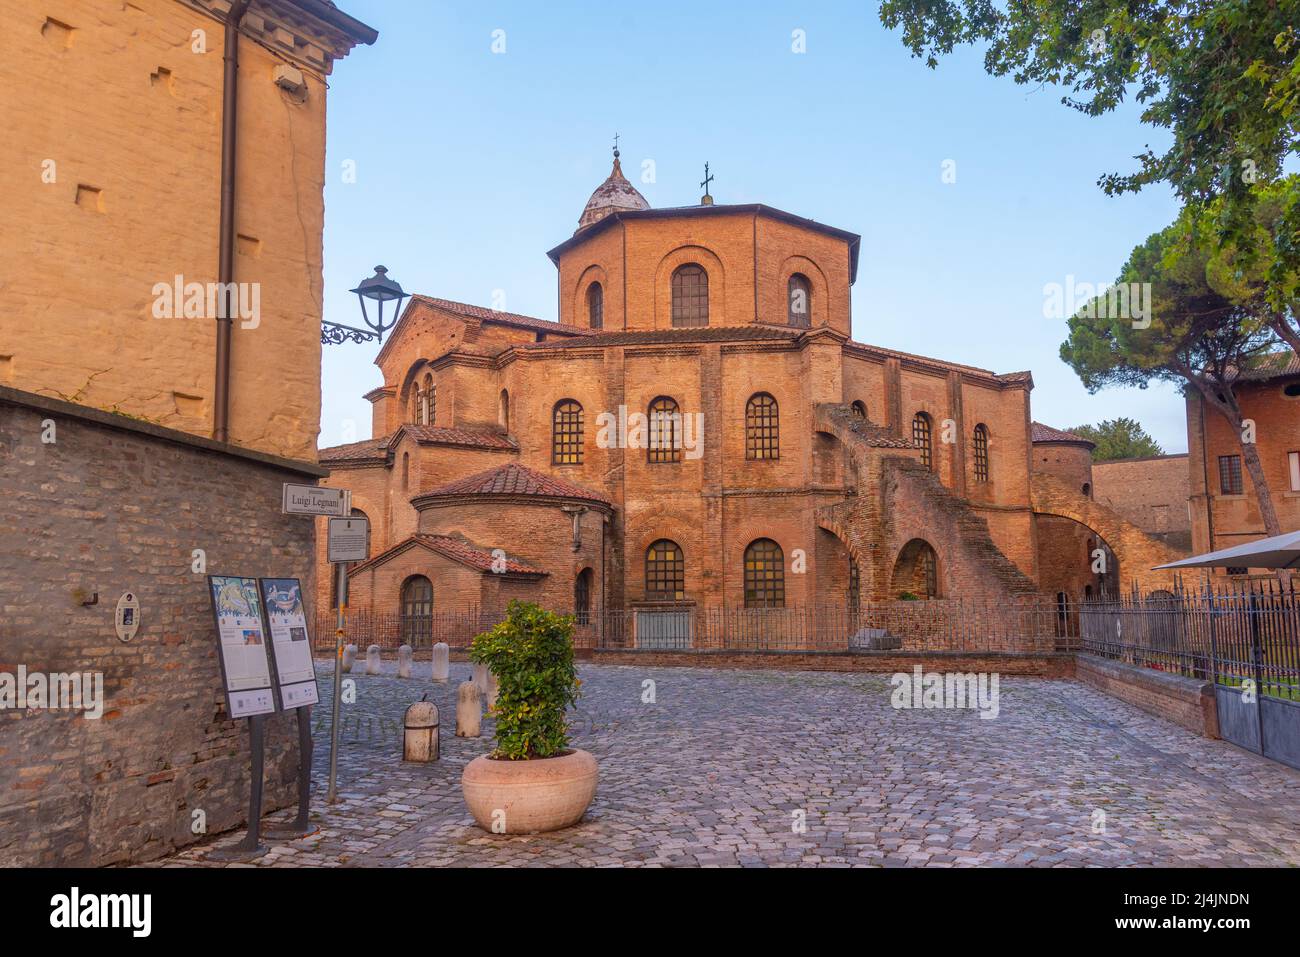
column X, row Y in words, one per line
column 226, row 251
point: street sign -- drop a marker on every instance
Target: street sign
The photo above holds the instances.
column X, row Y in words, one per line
column 349, row 539
column 313, row 500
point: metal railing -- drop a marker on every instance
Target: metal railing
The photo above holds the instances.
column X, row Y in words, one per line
column 1033, row 625
column 1226, row 636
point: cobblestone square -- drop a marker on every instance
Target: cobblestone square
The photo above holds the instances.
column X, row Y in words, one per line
column 724, row 767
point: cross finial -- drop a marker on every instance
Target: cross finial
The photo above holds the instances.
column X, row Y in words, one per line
column 615, row 146
column 706, row 199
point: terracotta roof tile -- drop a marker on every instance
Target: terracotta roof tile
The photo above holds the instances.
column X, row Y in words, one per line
column 457, row 549
column 494, row 315
column 470, row 438
column 1275, row 365
column 366, row 450
column 653, row 336
column 1045, row 433
column 515, row 479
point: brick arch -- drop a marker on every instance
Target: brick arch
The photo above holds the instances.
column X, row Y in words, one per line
column 1136, row 551
column 663, row 291
column 820, row 288
column 409, row 379
column 650, row 528
column 906, row 569
column 578, row 306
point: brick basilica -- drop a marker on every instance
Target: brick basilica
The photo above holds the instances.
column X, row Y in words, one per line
column 699, row 429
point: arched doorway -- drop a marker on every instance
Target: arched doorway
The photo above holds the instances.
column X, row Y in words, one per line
column 916, row 571
column 417, row 610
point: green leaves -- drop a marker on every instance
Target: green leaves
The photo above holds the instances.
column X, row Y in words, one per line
column 531, row 654
column 1121, row 438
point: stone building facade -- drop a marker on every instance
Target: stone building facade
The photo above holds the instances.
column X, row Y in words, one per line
column 1223, row 504
column 698, row 430
column 109, row 463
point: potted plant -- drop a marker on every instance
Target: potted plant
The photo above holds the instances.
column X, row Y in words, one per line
column 532, row 781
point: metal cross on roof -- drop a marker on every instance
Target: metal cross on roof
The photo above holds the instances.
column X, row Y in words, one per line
column 708, row 178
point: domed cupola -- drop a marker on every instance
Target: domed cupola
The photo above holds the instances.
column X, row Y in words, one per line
column 615, row 195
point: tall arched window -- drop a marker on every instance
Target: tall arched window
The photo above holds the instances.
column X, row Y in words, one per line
column 427, row 408
column 799, row 301
column 417, row 610
column 762, row 427
column 566, row 433
column 406, row 470
column 503, row 411
column 764, row 575
column 923, row 439
column 859, row 409
column 665, row 572
column 582, row 596
column 665, row 431
column 417, row 400
column 690, row 296
column 981, row 453
column 595, row 306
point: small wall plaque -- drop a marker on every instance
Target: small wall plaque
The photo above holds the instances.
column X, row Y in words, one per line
column 127, row 618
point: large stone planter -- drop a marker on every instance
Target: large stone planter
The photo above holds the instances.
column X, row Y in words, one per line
column 523, row 797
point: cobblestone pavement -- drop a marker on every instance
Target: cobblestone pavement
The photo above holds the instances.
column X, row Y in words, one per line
column 720, row 769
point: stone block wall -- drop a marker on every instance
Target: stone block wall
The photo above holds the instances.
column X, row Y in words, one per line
column 114, row 505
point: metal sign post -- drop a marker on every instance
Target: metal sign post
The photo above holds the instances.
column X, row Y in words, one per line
column 349, row 541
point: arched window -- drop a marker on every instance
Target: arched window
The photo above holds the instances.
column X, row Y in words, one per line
column 762, row 427
column 799, row 301
column 923, row 439
column 859, row 409
column 416, row 401
column 690, row 296
column 981, row 453
column 595, row 306
column 406, row 470
column 665, row 431
column 417, row 610
column 566, row 433
column 764, row 575
column 582, row 596
column 665, row 572
column 503, row 411
column 427, row 408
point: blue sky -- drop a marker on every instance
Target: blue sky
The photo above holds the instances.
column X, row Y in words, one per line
column 470, row 165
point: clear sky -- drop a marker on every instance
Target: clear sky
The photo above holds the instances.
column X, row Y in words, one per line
column 470, row 164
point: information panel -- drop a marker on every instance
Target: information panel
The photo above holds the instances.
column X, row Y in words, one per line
column 241, row 645
column 290, row 642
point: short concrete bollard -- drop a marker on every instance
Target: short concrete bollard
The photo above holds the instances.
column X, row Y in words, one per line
column 372, row 660
column 469, row 710
column 490, row 697
column 420, row 741
column 481, row 678
column 441, row 661
column 349, row 657
column 404, row 661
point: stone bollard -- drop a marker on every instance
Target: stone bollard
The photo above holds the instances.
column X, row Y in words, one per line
column 490, row 696
column 420, row 740
column 404, row 661
column 441, row 662
column 349, row 657
column 469, row 710
column 372, row 660
column 481, row 678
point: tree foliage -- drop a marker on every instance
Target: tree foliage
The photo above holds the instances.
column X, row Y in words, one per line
column 1121, row 438
column 1222, row 76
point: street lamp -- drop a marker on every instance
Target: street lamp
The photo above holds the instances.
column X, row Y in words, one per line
column 379, row 289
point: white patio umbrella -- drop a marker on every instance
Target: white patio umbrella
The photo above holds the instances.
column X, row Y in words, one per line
column 1280, row 551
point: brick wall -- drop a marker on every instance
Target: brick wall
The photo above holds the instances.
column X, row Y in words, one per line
column 1151, row 493
column 1184, row 701
column 114, row 505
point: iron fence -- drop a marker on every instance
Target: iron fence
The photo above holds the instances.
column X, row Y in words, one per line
column 1228, row 636
column 940, row 625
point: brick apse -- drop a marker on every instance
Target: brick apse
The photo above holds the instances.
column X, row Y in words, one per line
column 788, row 464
